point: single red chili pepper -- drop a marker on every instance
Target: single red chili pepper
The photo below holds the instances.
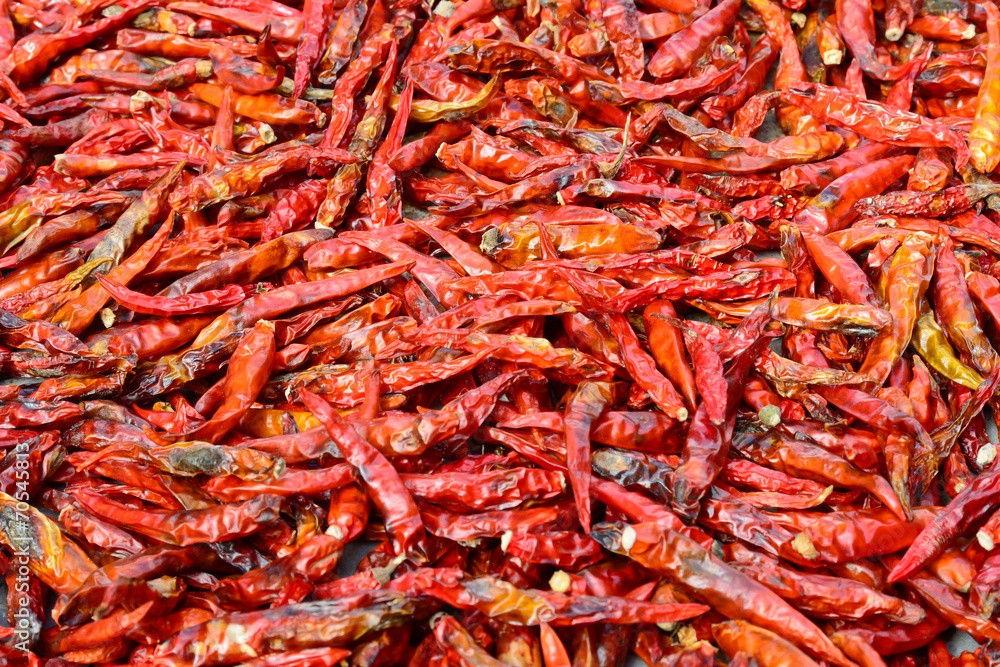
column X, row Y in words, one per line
column 832, row 209
column 915, row 260
column 32, row 55
column 875, row 121
column 679, row 52
column 185, row 528
column 581, row 411
column 494, row 524
column 822, row 465
column 335, row 620
column 185, row 304
column 897, row 638
column 433, row 273
column 971, row 502
column 735, row 637
column 340, row 41
column 376, row 473
column 707, row 444
column 79, row 312
column 279, row 301
column 500, row 599
column 248, row 266
column 669, row 552
column 983, row 134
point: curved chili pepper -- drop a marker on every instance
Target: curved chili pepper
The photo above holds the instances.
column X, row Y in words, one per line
column 833, row 208
column 190, row 304
column 875, row 121
column 185, row 528
column 857, row 26
column 79, row 312
column 765, row 646
column 685, row 562
column 914, row 259
column 749, row 83
column 930, row 341
column 377, row 474
column 500, row 599
column 956, row 311
column 679, row 52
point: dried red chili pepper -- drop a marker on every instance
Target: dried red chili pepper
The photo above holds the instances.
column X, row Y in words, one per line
column 499, row 599
column 678, row 557
column 875, row 121
column 461, row 385
column 380, row 479
column 983, row 134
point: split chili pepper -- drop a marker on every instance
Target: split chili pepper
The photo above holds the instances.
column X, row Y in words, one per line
column 58, row 562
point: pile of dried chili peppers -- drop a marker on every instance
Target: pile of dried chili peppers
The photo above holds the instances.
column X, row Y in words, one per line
column 655, row 328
